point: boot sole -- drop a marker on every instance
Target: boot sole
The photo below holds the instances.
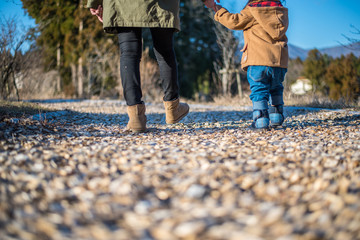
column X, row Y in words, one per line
column 277, row 127
column 136, row 130
column 252, row 128
column 180, row 118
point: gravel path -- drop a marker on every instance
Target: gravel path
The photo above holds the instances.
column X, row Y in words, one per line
column 77, row 174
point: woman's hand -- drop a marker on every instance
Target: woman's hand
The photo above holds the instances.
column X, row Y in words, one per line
column 211, row 4
column 97, row 12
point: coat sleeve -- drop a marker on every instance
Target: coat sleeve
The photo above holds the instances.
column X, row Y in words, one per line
column 94, row 3
column 234, row 21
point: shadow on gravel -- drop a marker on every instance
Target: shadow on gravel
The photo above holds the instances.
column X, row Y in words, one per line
column 347, row 121
column 70, row 123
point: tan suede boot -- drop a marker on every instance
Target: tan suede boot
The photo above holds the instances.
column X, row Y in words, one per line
column 175, row 111
column 137, row 118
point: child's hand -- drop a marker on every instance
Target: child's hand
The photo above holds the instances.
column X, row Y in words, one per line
column 97, row 12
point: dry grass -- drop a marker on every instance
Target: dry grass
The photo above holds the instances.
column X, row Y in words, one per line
column 313, row 101
column 316, row 101
column 233, row 101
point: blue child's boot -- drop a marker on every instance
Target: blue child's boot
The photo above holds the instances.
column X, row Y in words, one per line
column 276, row 115
column 261, row 119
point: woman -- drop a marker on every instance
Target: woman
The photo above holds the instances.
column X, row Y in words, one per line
column 127, row 18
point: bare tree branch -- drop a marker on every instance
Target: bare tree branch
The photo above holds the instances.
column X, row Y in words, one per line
column 353, row 41
column 11, row 42
column 225, row 67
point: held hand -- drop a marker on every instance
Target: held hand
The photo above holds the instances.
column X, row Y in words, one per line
column 97, row 12
column 211, row 4
column 217, row 7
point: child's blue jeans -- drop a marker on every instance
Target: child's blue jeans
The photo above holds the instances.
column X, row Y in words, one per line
column 266, row 86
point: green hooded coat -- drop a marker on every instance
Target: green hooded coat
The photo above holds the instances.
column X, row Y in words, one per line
column 138, row 13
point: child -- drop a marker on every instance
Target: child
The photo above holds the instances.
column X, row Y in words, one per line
column 265, row 55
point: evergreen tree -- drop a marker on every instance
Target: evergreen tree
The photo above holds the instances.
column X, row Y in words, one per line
column 196, row 47
column 54, row 19
column 67, row 36
column 343, row 78
column 315, row 67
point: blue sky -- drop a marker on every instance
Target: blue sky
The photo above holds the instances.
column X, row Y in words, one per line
column 313, row 23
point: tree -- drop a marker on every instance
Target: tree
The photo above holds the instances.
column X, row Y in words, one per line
column 229, row 62
column 54, row 19
column 315, row 67
column 343, row 78
column 11, row 42
column 66, row 29
column 354, row 41
column 103, row 66
column 195, row 47
column 295, row 70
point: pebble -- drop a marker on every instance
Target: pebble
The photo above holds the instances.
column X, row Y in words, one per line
column 81, row 175
column 195, row 191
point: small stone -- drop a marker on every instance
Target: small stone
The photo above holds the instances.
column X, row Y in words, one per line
column 46, row 228
column 195, row 191
column 189, row 229
column 21, row 158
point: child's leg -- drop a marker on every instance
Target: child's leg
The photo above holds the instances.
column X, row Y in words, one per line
column 276, row 96
column 259, row 80
column 276, row 87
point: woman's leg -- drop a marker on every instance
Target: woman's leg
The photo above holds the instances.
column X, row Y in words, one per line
column 131, row 48
column 164, row 51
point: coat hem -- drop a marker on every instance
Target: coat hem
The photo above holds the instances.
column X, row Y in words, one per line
column 245, row 66
column 113, row 28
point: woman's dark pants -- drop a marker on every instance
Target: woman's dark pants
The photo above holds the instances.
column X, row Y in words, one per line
column 130, row 40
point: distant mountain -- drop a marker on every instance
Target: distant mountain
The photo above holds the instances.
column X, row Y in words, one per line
column 334, row 52
column 295, row 52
